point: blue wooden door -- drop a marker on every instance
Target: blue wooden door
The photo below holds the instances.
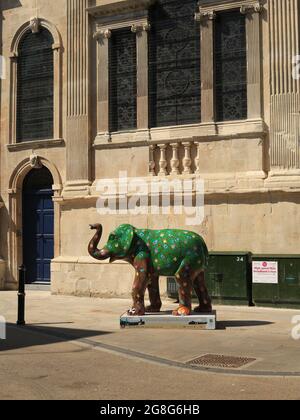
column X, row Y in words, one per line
column 38, row 233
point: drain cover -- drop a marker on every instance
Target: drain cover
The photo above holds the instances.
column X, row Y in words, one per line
column 219, row 360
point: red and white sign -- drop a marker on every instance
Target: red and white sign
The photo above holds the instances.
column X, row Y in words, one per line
column 265, row 272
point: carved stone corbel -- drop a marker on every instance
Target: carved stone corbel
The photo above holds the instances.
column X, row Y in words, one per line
column 35, row 162
column 248, row 9
column 34, row 25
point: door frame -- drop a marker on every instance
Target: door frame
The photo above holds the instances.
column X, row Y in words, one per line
column 28, row 195
column 15, row 228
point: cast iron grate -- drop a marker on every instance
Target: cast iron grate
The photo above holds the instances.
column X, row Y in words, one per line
column 221, row 361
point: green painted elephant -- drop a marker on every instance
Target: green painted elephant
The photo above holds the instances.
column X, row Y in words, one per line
column 155, row 253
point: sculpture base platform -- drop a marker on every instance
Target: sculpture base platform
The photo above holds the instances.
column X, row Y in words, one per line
column 206, row 321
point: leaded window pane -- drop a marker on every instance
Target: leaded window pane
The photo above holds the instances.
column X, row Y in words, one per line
column 231, row 66
column 123, row 85
column 174, row 63
column 35, row 87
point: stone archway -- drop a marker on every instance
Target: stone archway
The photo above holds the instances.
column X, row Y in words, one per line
column 38, row 225
column 15, row 237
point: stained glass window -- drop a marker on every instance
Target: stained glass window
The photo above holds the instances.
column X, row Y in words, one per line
column 35, row 87
column 123, row 80
column 231, row 66
column 174, row 63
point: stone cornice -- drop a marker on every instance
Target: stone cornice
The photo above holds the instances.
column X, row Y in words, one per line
column 36, row 144
column 108, row 7
column 245, row 6
column 217, row 184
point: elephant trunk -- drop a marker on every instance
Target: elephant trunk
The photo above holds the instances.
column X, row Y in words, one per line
column 98, row 254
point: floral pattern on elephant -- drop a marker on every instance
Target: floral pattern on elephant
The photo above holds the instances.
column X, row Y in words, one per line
column 155, row 253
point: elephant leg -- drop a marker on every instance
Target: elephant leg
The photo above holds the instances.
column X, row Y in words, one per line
column 139, row 287
column 154, row 295
column 184, row 281
column 202, row 294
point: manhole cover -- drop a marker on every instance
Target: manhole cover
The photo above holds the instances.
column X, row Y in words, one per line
column 219, row 360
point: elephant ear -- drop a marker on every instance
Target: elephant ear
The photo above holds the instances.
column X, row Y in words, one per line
column 126, row 235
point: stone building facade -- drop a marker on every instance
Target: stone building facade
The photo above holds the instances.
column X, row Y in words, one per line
column 224, row 106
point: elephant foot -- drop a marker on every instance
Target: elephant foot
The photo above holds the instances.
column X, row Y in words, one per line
column 152, row 309
column 136, row 312
column 182, row 311
column 203, row 309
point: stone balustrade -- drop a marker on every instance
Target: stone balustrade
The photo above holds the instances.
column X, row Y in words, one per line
column 180, row 158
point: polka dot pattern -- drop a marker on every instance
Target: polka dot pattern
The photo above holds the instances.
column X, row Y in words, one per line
column 166, row 250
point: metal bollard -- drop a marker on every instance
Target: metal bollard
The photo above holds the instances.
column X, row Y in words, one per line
column 21, row 296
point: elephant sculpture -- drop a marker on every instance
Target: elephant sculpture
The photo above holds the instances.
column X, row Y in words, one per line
column 155, row 253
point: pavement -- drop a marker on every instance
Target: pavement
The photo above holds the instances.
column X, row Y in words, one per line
column 73, row 348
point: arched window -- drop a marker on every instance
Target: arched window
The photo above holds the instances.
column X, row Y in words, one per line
column 35, row 86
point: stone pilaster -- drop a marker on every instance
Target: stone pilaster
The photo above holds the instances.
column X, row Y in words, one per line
column 78, row 124
column 283, row 20
column 142, row 74
column 102, row 37
column 254, row 82
column 206, row 20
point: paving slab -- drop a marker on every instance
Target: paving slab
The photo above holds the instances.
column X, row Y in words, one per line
column 262, row 334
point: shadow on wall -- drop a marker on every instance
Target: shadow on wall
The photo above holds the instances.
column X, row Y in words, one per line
column 10, row 4
column 32, row 336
